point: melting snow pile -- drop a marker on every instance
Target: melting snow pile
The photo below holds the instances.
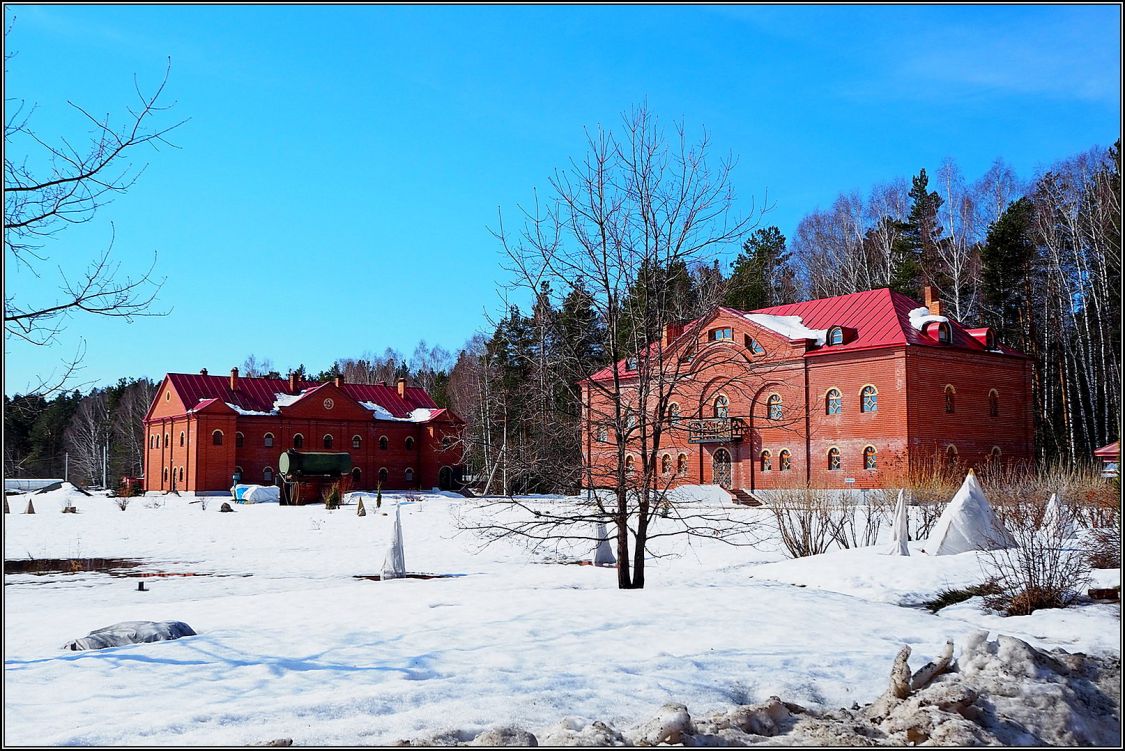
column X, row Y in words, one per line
column 130, row 632
column 919, row 317
column 968, row 523
column 791, row 327
column 1002, row 692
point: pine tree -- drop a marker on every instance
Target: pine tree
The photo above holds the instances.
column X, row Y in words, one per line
column 1008, row 261
column 762, row 276
column 922, row 233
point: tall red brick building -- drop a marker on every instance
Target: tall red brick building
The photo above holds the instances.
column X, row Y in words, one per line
column 202, row 429
column 844, row 392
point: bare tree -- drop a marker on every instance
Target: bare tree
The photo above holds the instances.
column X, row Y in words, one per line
column 51, row 186
column 128, row 423
column 87, row 436
column 635, row 209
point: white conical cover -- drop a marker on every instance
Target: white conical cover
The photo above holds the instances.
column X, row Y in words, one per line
column 603, row 556
column 900, row 534
column 394, row 565
column 968, row 523
column 1057, row 519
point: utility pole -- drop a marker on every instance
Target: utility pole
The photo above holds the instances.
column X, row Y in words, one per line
column 66, row 467
column 105, row 455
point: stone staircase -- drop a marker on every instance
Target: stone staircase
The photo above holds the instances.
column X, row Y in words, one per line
column 744, row 497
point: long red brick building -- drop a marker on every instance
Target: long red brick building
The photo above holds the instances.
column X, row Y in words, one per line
column 843, row 392
column 202, row 429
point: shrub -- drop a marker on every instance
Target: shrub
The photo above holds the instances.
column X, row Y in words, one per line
column 332, row 500
column 947, row 597
column 809, row 520
column 1045, row 569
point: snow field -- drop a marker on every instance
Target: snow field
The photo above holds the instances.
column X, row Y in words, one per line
column 301, row 649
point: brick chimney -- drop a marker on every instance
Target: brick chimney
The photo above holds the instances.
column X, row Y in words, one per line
column 292, row 382
column 203, row 371
column 234, row 379
column 338, row 380
column 671, row 331
column 933, row 303
column 402, row 387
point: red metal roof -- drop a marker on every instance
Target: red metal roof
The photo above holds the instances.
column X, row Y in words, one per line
column 259, row 394
column 880, row 318
column 1113, row 450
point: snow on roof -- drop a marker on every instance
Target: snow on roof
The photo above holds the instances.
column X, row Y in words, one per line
column 791, row 327
column 919, row 317
column 968, row 523
column 284, row 400
column 251, row 412
column 419, row 414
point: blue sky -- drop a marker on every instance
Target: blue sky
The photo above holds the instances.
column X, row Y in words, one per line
column 334, row 186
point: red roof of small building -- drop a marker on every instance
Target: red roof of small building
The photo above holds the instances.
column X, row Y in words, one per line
column 259, row 394
column 1112, row 451
column 879, row 318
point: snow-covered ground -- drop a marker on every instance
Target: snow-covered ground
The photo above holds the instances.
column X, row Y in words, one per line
column 291, row 644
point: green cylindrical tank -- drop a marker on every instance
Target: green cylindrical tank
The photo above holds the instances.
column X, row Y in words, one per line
column 305, row 463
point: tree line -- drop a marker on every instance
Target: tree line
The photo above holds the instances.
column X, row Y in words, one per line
column 1038, row 261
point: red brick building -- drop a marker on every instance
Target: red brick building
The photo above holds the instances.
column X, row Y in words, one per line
column 844, row 392
column 201, row 429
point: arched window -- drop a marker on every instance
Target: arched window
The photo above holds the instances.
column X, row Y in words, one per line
column 835, row 335
column 267, row 440
column 630, row 418
column 773, row 405
column 944, row 333
column 993, row 403
column 165, row 474
column 298, row 441
column 870, row 460
column 327, row 440
column 833, row 459
column 239, row 439
column 603, row 433
column 722, row 406
column 949, row 392
column 356, row 475
column 382, row 475
column 408, row 475
column 383, row 443
column 681, row 465
column 673, row 413
column 869, row 399
column 238, row 471
column 181, row 474
column 951, row 456
column 666, row 464
column 182, row 438
column 151, row 442
column 446, row 443
column 356, row 441
column 785, row 460
column 630, row 363
column 994, row 455
column 753, row 346
column 409, row 443
column 217, row 438
column 630, row 465
column 833, row 402
column 267, row 475
column 767, row 462
column 167, row 440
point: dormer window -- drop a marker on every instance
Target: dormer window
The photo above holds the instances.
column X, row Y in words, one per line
column 630, row 363
column 990, row 340
column 717, row 335
column 835, row 336
column 944, row 332
column 753, row 346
